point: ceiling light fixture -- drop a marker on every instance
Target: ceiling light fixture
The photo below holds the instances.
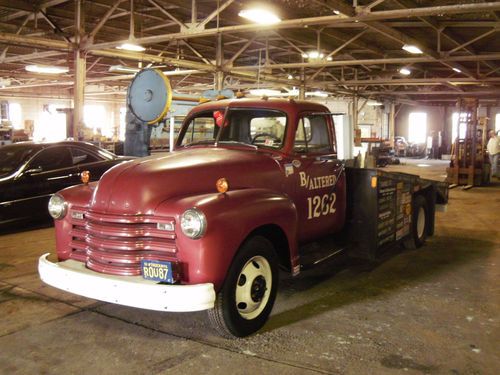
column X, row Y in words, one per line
column 317, row 93
column 405, row 71
column 315, row 55
column 130, row 45
column 457, row 70
column 290, row 76
column 122, row 69
column 412, row 49
column 260, row 15
column 46, row 69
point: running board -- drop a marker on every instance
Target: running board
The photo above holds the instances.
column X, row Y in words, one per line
column 314, row 253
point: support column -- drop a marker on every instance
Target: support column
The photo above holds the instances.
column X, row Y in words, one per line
column 78, row 92
column 80, row 73
column 194, row 13
column 219, row 60
column 392, row 123
column 355, row 112
column 302, row 88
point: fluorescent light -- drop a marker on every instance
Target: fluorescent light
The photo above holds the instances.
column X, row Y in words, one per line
column 329, row 58
column 405, row 71
column 457, row 70
column 315, row 55
column 122, row 69
column 317, row 93
column 45, row 69
column 374, row 103
column 336, row 12
column 265, row 92
column 412, row 49
column 131, row 47
column 260, row 16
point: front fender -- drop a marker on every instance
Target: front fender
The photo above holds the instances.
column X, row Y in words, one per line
column 231, row 217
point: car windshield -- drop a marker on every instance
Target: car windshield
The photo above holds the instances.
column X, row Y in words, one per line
column 255, row 127
column 12, row 157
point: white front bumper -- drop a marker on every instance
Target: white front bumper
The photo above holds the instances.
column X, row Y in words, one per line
column 74, row 277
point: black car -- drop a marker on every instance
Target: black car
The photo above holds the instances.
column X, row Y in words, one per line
column 31, row 172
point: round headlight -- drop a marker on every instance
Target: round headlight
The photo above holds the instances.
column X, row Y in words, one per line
column 57, row 207
column 193, row 223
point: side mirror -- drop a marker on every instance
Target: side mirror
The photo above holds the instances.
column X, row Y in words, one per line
column 34, row 170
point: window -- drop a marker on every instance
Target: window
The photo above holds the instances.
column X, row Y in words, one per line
column 96, row 118
column 52, row 124
column 338, row 121
column 122, row 126
column 80, row 156
column 52, row 158
column 201, row 129
column 417, row 129
column 312, row 135
column 262, row 128
column 15, row 114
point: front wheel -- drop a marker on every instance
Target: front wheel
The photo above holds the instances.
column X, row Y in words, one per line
column 247, row 296
column 419, row 225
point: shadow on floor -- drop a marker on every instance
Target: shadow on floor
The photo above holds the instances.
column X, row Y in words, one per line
column 349, row 281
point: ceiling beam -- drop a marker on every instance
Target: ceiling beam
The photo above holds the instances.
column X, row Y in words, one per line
column 392, row 60
column 322, row 20
column 21, row 13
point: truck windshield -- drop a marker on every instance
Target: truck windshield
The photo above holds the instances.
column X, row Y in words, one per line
column 257, row 127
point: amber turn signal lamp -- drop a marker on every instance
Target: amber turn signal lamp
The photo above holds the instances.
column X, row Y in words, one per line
column 222, row 185
column 85, row 177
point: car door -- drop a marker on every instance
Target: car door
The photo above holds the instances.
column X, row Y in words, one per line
column 49, row 171
column 319, row 193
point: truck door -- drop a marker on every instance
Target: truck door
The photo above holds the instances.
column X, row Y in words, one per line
column 319, row 191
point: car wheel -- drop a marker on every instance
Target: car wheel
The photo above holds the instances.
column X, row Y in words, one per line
column 247, row 296
column 419, row 224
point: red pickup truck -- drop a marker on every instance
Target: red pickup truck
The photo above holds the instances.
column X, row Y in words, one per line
column 252, row 186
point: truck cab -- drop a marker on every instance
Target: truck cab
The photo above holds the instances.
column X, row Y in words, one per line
column 208, row 226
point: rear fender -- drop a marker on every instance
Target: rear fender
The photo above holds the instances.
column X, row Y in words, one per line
column 231, row 217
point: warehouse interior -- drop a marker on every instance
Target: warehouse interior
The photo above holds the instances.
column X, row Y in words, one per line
column 409, row 84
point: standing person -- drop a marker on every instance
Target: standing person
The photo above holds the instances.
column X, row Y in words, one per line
column 493, row 148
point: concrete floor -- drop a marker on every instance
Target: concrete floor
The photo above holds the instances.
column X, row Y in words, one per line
column 430, row 311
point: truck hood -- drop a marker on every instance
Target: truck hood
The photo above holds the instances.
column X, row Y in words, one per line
column 139, row 186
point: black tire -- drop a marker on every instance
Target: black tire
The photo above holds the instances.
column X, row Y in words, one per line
column 419, row 224
column 244, row 303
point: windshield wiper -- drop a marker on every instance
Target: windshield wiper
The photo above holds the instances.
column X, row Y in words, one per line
column 203, row 142
column 239, row 143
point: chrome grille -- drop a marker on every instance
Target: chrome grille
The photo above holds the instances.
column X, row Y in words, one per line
column 116, row 244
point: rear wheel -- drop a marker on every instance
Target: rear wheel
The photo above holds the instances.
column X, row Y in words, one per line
column 419, row 224
column 247, row 296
